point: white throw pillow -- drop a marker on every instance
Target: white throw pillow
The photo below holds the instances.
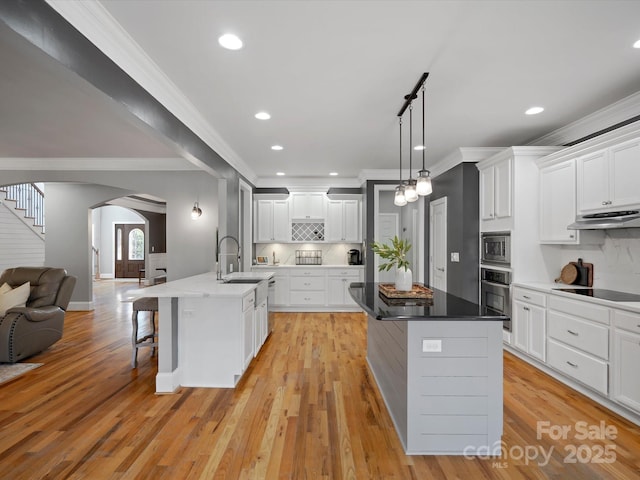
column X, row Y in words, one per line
column 14, row 298
column 4, row 288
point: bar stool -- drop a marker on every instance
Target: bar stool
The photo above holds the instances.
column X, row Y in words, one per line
column 144, row 304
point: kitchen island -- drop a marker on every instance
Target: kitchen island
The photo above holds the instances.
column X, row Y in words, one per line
column 438, row 365
column 208, row 330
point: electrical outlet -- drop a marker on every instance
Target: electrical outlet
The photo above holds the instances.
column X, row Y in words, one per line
column 430, row 345
column 455, row 256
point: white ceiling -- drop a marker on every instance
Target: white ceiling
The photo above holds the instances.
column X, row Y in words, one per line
column 333, row 75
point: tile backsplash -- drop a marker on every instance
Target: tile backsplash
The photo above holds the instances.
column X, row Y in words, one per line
column 285, row 253
column 616, row 262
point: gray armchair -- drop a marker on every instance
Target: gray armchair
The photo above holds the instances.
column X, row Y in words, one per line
column 25, row 331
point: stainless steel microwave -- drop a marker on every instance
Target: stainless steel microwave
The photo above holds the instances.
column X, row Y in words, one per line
column 496, row 248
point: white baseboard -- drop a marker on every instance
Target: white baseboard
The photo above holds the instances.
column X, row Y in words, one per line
column 106, row 275
column 80, row 306
column 168, row 382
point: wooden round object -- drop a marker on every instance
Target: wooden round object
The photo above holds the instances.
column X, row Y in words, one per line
column 569, row 274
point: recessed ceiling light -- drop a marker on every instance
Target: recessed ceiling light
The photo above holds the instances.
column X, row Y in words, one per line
column 334, row 174
column 276, row 147
column 230, row 41
column 534, row 111
column 637, row 44
column 280, row 174
column 262, row 116
column 419, row 147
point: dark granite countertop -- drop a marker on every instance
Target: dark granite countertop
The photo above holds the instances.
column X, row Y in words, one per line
column 443, row 306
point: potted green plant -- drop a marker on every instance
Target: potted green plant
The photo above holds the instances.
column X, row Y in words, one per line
column 396, row 256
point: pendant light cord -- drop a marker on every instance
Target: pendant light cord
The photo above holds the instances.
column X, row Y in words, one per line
column 424, row 144
column 410, row 138
column 400, row 150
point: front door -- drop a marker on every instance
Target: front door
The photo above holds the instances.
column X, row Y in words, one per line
column 129, row 254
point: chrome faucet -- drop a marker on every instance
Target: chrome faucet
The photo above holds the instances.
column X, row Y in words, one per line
column 219, row 273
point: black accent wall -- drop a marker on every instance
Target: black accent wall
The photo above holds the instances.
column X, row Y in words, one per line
column 460, row 185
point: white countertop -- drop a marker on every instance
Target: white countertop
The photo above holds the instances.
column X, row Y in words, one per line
column 552, row 288
column 203, row 285
column 280, row 265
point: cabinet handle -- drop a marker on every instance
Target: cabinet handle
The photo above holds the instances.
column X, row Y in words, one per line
column 526, row 296
column 571, row 236
column 572, row 364
column 525, row 308
column 307, row 283
column 573, row 333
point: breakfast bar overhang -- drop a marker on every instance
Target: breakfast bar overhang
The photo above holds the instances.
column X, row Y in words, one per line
column 438, row 365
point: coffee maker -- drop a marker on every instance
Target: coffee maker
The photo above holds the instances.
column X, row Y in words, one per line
column 353, row 257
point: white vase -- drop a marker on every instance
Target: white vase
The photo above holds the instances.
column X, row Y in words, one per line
column 404, row 280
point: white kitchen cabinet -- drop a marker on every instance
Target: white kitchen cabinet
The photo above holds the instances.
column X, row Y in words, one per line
column 307, row 205
column 272, row 221
column 495, row 190
column 529, row 322
column 626, row 358
column 558, row 203
column 261, row 326
column 338, row 282
column 281, row 294
column 308, row 287
column 343, row 221
column 248, row 329
column 607, row 178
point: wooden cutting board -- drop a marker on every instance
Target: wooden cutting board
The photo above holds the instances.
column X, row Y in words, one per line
column 585, row 274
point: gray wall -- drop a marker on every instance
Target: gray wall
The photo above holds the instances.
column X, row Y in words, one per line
column 190, row 243
column 460, row 186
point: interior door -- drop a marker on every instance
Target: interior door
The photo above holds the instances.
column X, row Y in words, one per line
column 388, row 225
column 129, row 251
column 438, row 243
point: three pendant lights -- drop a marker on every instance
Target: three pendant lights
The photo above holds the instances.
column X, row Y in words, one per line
column 409, row 190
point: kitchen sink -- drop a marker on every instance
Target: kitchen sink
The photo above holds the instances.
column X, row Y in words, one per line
column 241, row 280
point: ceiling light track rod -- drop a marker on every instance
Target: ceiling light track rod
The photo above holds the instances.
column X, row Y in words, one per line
column 414, row 94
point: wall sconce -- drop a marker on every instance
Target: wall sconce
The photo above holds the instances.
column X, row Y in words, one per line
column 196, row 212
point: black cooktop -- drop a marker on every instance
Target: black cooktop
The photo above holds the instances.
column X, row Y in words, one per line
column 603, row 294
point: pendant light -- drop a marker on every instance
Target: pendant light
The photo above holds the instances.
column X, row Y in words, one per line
column 399, row 199
column 410, row 189
column 423, row 184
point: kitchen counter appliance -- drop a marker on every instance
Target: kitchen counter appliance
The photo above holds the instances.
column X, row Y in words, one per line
column 353, row 257
column 496, row 248
column 495, row 297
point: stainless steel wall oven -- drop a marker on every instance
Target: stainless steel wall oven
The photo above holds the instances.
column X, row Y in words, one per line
column 495, row 293
column 496, row 248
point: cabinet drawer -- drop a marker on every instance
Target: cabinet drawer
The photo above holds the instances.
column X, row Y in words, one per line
column 589, row 337
column 529, row 296
column 588, row 370
column 248, row 301
column 307, row 283
column 581, row 309
column 307, row 272
column 626, row 320
column 298, row 297
column 343, row 272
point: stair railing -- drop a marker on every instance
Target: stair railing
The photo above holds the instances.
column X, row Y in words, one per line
column 30, row 198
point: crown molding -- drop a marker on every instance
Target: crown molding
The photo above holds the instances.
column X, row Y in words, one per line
column 96, row 23
column 307, row 184
column 98, row 164
column 617, row 112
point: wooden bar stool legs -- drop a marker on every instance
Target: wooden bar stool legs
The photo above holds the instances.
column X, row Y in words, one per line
column 145, row 304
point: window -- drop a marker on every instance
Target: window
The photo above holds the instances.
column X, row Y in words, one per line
column 136, row 244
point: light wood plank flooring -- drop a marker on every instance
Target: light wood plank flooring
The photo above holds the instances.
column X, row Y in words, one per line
column 307, row 408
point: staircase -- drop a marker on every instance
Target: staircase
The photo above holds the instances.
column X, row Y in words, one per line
column 25, row 201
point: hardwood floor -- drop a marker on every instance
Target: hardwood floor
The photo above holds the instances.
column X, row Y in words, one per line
column 307, row 408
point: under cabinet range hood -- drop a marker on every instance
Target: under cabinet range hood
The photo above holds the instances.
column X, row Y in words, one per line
column 607, row 220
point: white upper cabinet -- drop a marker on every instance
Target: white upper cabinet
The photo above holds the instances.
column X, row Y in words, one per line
column 495, row 191
column 272, row 221
column 307, row 205
column 607, row 179
column 343, row 221
column 558, row 203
